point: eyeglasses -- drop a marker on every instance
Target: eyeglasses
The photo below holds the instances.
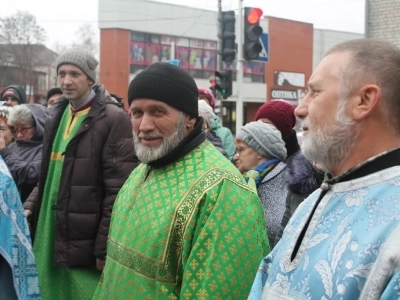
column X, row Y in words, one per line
column 241, row 150
column 22, row 131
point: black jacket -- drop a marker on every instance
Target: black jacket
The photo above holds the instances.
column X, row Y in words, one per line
column 214, row 139
column 302, row 179
column 24, row 158
column 97, row 161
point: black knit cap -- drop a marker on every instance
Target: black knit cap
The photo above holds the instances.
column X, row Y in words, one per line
column 167, row 83
column 53, row 91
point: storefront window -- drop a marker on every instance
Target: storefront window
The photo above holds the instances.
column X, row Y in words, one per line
column 195, row 55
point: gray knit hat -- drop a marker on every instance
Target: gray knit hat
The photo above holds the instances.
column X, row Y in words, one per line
column 263, row 138
column 81, row 58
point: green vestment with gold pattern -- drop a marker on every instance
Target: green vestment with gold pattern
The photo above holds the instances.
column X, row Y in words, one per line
column 58, row 283
column 190, row 230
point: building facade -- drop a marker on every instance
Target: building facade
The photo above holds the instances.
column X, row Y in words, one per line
column 383, row 20
column 30, row 66
column 135, row 34
column 325, row 39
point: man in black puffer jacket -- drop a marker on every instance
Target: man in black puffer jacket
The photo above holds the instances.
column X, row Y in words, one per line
column 88, row 153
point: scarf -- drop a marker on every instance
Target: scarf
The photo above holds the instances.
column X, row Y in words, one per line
column 255, row 177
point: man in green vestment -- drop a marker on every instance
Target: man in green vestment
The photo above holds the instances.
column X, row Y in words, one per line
column 185, row 224
column 88, row 154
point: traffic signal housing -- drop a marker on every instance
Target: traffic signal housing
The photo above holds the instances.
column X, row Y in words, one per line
column 227, row 35
column 214, row 87
column 222, row 83
column 252, row 32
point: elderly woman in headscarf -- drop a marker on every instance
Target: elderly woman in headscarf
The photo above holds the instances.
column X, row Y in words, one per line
column 18, row 276
column 260, row 158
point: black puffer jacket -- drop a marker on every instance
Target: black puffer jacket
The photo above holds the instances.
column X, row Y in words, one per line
column 97, row 161
column 302, row 179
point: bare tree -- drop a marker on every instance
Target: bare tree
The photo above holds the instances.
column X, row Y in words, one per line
column 59, row 47
column 20, row 35
column 86, row 37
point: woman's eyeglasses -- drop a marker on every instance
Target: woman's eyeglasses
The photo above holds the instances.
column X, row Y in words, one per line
column 22, row 131
column 240, row 150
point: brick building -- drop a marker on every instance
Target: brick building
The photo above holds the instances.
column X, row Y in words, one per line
column 383, row 20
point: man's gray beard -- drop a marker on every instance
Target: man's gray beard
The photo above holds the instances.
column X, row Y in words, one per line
column 329, row 146
column 148, row 154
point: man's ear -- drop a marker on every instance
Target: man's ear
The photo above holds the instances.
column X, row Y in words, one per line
column 366, row 101
column 191, row 121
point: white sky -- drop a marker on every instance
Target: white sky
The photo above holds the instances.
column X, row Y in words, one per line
column 61, row 19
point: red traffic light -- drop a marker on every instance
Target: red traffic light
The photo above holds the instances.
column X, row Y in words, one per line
column 213, row 83
column 254, row 15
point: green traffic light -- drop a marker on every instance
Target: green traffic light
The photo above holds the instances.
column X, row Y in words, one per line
column 223, row 91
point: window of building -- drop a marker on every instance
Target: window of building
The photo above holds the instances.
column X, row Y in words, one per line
column 197, row 56
column 41, row 82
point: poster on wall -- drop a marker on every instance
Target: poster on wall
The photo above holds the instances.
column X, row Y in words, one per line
column 165, row 53
column 167, row 40
column 247, row 67
column 282, row 78
column 253, row 68
column 195, row 59
column 209, row 60
column 182, row 53
column 152, row 53
column 258, row 68
column 196, row 54
column 138, row 53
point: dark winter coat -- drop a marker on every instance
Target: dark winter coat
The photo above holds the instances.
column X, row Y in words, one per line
column 272, row 192
column 291, row 144
column 212, row 137
column 97, row 161
column 302, row 179
column 24, row 158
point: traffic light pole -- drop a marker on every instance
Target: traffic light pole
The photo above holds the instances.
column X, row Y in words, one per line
column 220, row 62
column 239, row 76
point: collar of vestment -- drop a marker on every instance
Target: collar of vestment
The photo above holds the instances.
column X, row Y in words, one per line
column 190, row 142
column 85, row 104
column 374, row 164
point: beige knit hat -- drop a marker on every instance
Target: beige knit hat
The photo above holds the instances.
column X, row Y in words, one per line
column 81, row 58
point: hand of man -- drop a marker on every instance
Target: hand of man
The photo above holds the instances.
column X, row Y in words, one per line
column 100, row 264
column 27, row 212
column 2, row 141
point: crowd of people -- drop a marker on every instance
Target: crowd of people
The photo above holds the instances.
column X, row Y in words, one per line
column 163, row 202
